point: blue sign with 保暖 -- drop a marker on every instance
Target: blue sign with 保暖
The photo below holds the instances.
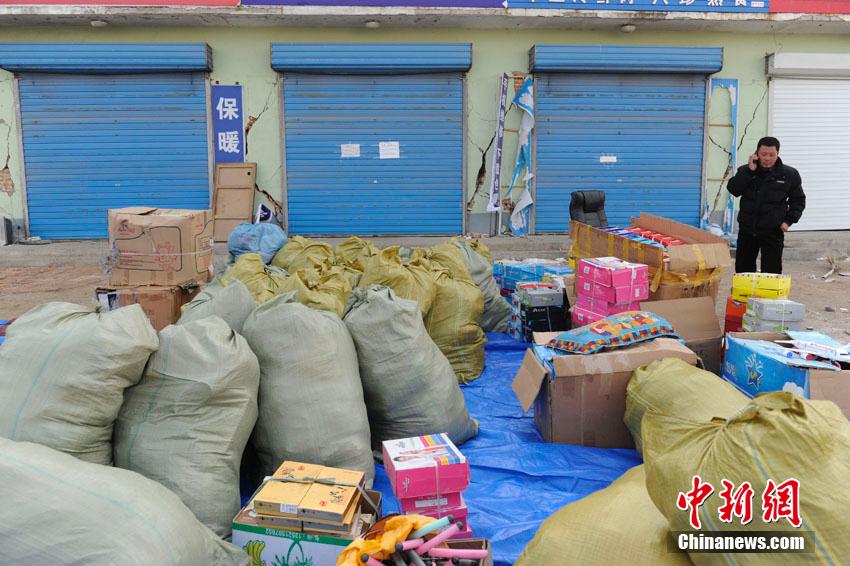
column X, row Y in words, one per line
column 228, row 132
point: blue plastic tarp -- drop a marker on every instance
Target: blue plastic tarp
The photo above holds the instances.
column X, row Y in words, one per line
column 517, row 479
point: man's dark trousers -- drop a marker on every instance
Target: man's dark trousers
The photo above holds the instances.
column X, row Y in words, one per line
column 750, row 244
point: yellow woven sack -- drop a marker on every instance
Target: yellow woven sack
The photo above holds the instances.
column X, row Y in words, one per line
column 301, row 253
column 263, row 281
column 408, row 280
column 453, row 322
column 777, row 436
column 617, row 525
column 676, row 388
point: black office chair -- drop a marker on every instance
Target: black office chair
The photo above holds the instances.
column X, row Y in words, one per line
column 588, row 207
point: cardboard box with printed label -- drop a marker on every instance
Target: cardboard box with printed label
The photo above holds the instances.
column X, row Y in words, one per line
column 161, row 304
column 426, row 465
column 268, row 545
column 754, row 369
column 158, row 246
column 584, row 402
column 695, row 321
column 690, row 270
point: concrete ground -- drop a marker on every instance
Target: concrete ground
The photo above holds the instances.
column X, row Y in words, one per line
column 70, row 271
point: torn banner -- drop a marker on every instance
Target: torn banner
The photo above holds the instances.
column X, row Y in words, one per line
column 521, row 216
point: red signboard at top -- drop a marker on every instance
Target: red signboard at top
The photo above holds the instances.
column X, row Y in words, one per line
column 810, row 6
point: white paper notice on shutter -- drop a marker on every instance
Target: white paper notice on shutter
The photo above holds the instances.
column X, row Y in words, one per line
column 349, row 150
column 388, row 150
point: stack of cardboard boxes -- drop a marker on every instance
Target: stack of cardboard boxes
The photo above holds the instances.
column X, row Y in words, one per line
column 428, row 475
column 159, row 259
column 773, row 315
column 315, row 509
column 537, row 307
column 606, row 286
column 746, row 285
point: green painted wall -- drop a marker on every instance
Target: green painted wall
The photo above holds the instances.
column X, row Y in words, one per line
column 242, row 55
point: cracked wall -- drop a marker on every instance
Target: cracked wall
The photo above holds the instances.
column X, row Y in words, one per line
column 242, row 55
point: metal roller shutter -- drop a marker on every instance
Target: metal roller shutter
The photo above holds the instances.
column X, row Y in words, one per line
column 811, row 118
column 94, row 142
column 340, row 181
column 638, row 137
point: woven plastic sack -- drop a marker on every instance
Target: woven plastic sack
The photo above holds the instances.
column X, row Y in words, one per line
column 409, row 385
column 355, row 252
column 326, row 290
column 232, row 304
column 617, row 525
column 409, row 280
column 264, row 238
column 497, row 311
column 777, row 437
column 615, row 331
column 59, row 510
column 675, row 388
column 63, row 372
column 188, row 420
column 452, row 323
column 311, row 399
column 301, row 253
column 263, row 281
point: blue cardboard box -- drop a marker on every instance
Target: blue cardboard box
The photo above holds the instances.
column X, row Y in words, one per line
column 755, row 363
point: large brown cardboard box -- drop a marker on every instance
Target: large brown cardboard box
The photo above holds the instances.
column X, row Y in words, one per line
column 585, row 402
column 695, row 320
column 161, row 304
column 693, row 270
column 825, row 385
column 158, row 246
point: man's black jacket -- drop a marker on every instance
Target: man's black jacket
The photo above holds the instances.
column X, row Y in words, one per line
column 768, row 198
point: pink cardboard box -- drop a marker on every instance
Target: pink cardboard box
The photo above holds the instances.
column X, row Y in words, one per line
column 583, row 317
column 612, row 271
column 425, row 465
column 460, row 512
column 431, row 504
column 618, row 295
column 603, row 307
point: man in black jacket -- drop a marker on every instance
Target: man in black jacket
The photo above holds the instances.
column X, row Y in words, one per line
column 772, row 199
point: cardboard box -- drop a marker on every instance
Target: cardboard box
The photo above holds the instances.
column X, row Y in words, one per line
column 619, row 295
column 765, row 285
column 234, row 203
column 696, row 323
column 222, row 228
column 753, row 372
column 158, row 246
column 540, row 294
column 604, row 308
column 752, row 323
column 698, row 264
column 280, row 546
column 585, row 401
column 612, row 271
column 460, row 512
column 583, row 317
column 776, row 309
column 425, row 465
column 430, row 503
column 161, row 304
column 474, row 543
column 235, row 175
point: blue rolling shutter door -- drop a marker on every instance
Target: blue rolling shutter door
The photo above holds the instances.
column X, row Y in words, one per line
column 638, row 137
column 94, row 142
column 421, row 192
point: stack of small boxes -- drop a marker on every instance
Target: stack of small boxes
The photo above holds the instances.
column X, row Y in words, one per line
column 606, row 286
column 759, row 285
column 428, row 475
column 773, row 315
column 537, row 307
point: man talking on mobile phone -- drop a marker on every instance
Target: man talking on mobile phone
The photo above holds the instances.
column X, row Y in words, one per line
column 772, row 199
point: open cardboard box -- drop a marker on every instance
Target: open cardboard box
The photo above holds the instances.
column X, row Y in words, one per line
column 754, row 373
column 585, row 402
column 704, row 252
column 696, row 323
